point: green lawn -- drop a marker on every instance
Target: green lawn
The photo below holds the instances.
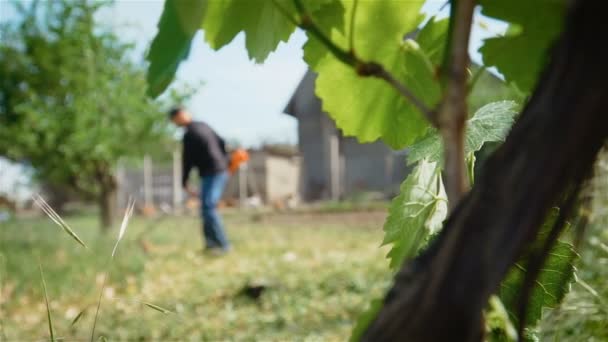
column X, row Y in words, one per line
column 321, row 271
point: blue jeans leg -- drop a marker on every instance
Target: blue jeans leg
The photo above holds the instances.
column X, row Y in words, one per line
column 211, row 193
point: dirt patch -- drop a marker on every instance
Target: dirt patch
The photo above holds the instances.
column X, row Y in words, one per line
column 362, row 219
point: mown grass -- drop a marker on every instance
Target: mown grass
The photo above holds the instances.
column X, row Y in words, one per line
column 321, row 271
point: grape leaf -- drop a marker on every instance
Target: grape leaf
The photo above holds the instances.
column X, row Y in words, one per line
column 432, row 37
column 553, row 281
column 368, row 108
column 178, row 24
column 489, row 124
column 265, row 23
column 417, row 213
column 415, row 217
column 522, row 53
column 329, row 17
column 265, row 26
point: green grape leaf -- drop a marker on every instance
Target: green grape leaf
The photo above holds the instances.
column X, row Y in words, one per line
column 329, row 17
column 264, row 24
column 432, row 37
column 368, row 108
column 554, row 280
column 522, row 52
column 177, row 26
column 490, row 123
column 416, row 214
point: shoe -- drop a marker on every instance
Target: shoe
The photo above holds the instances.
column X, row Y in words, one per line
column 217, row 251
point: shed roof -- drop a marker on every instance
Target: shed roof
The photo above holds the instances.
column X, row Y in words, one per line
column 305, row 88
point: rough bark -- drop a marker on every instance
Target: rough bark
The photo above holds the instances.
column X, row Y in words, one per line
column 107, row 195
column 439, row 296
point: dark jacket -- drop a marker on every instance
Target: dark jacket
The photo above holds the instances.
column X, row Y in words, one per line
column 204, row 150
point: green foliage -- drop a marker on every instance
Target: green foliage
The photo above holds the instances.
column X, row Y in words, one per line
column 521, row 54
column 490, row 88
column 417, row 213
column 72, row 102
column 178, row 24
column 584, row 312
column 263, row 23
column 368, row 108
column 553, row 282
column 491, row 123
column 329, row 17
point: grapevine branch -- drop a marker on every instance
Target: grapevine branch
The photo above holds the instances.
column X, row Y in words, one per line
column 363, row 68
column 533, row 169
column 452, row 112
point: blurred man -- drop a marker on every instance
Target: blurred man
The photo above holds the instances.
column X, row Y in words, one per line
column 204, row 150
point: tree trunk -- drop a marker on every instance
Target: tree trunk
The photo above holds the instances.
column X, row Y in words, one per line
column 107, row 206
column 439, row 296
column 57, row 196
column 107, row 201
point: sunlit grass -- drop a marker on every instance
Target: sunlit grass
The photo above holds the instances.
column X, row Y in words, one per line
column 320, row 274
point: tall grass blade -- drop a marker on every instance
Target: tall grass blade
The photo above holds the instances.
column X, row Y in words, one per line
column 103, row 286
column 121, row 233
column 2, row 272
column 157, row 308
column 48, row 308
column 125, row 223
column 41, row 203
column 78, row 317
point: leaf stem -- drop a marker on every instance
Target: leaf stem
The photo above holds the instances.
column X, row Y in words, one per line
column 285, row 12
column 403, row 90
column 363, row 68
column 353, row 16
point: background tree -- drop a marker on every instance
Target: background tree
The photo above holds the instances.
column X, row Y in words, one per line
column 72, row 100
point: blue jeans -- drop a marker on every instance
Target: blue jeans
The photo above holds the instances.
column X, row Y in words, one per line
column 211, row 193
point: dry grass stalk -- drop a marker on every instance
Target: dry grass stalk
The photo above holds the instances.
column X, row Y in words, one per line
column 125, row 223
column 46, row 208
